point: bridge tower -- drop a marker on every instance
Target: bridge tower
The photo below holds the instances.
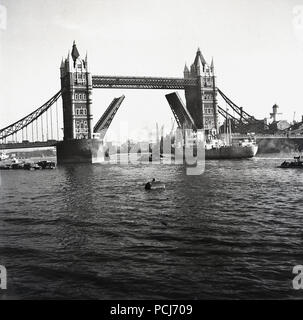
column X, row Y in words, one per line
column 201, row 100
column 76, row 87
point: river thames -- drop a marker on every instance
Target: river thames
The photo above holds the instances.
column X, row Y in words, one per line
column 94, row 232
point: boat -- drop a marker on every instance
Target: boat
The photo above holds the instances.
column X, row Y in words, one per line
column 218, row 149
column 226, row 148
column 223, row 147
column 3, row 156
column 296, row 164
column 31, row 166
column 154, row 185
column 47, row 164
column 17, row 166
column 5, row 167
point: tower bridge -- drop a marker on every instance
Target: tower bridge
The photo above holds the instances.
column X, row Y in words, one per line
column 200, row 110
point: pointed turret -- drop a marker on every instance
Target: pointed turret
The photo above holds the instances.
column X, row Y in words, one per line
column 186, row 71
column 199, row 61
column 69, row 62
column 62, row 67
column 192, row 69
column 212, row 67
column 85, row 64
column 75, row 52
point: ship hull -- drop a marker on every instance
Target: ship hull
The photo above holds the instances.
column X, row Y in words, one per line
column 231, row 152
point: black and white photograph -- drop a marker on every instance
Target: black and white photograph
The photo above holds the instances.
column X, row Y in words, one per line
column 151, row 150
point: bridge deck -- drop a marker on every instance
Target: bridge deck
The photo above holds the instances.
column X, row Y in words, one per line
column 269, row 136
column 142, row 82
column 27, row 145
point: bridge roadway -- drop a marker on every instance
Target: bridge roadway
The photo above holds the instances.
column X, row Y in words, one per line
column 266, row 136
column 52, row 143
column 142, row 82
column 27, row 145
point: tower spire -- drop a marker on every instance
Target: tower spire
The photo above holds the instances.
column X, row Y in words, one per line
column 199, row 60
column 186, row 71
column 75, row 53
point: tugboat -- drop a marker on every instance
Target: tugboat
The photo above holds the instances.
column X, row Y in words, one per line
column 297, row 163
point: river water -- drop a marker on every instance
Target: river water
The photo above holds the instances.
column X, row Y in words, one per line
column 93, row 231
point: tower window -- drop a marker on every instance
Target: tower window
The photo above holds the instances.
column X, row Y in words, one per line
column 76, row 96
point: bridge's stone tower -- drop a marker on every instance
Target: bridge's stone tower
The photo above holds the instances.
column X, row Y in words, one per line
column 201, row 100
column 76, row 86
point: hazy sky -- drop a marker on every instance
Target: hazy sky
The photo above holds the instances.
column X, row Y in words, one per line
column 257, row 48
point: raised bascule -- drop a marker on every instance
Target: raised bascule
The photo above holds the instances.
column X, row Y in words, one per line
column 82, row 142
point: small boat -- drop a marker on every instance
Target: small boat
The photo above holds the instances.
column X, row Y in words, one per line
column 31, row 166
column 297, row 163
column 5, row 167
column 153, row 185
column 47, row 164
column 17, row 166
column 3, row 156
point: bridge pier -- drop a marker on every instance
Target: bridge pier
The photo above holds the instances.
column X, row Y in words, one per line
column 80, row 151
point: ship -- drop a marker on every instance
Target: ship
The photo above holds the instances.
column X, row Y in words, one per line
column 215, row 146
column 218, row 149
column 223, row 147
column 226, row 148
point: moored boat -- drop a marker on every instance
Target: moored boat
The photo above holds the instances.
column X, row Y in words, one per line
column 3, row 156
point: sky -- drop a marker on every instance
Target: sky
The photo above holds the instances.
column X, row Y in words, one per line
column 257, row 48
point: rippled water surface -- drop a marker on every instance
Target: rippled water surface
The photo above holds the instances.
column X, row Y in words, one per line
column 93, row 231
